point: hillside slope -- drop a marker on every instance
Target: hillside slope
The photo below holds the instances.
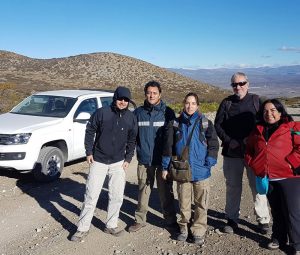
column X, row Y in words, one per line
column 97, row 70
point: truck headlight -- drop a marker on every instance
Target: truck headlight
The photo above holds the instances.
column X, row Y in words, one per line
column 22, row 138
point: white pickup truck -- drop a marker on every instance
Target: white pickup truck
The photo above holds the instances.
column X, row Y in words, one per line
column 47, row 129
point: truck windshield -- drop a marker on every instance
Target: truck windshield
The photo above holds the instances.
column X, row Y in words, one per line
column 44, row 105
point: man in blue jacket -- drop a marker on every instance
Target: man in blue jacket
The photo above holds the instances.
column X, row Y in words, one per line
column 152, row 118
column 109, row 142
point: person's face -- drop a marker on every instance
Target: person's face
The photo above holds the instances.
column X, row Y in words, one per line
column 153, row 95
column 122, row 103
column 190, row 105
column 240, row 86
column 271, row 114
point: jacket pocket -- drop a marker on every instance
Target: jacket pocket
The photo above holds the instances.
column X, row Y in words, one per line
column 257, row 164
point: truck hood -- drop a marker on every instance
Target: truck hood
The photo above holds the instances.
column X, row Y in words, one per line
column 17, row 123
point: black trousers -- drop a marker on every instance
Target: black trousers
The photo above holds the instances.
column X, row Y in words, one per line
column 284, row 200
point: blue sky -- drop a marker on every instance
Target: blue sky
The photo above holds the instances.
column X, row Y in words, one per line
column 174, row 33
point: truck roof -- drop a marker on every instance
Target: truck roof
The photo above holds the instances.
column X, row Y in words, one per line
column 74, row 92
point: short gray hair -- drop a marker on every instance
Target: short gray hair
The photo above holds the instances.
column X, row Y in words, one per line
column 234, row 76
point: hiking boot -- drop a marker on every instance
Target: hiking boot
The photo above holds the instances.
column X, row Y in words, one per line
column 78, row 236
column 136, row 227
column 264, row 228
column 230, row 227
column 198, row 240
column 273, row 245
column 114, row 231
column 182, row 237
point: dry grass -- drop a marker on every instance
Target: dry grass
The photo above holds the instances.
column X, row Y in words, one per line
column 100, row 71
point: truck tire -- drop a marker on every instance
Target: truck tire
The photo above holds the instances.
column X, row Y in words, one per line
column 49, row 165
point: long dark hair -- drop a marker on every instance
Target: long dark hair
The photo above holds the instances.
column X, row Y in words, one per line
column 285, row 117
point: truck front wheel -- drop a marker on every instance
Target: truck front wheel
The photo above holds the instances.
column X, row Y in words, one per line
column 49, row 165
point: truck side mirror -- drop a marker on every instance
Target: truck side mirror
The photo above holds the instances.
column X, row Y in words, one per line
column 83, row 116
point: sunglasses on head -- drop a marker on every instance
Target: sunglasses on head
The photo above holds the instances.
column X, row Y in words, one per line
column 241, row 84
column 123, row 98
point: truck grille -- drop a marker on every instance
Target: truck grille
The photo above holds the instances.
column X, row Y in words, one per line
column 3, row 139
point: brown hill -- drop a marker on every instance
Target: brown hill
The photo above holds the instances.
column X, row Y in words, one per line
column 97, row 70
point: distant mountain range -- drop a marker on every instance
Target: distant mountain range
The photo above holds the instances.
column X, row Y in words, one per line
column 281, row 81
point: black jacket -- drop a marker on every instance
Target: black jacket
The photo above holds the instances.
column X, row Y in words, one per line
column 235, row 123
column 115, row 133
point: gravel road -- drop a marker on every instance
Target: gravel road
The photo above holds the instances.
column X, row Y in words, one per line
column 40, row 218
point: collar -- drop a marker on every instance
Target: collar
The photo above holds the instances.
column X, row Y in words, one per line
column 159, row 107
column 189, row 119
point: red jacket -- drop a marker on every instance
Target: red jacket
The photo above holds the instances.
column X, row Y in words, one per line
column 273, row 158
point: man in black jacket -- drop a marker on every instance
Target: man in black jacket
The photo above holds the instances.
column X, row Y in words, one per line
column 152, row 118
column 109, row 142
column 235, row 119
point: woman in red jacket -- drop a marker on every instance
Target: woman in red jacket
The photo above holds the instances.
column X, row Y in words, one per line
column 273, row 150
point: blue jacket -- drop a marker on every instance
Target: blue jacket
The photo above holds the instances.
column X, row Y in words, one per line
column 202, row 152
column 151, row 125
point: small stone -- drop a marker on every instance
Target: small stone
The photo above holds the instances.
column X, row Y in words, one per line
column 38, row 230
column 218, row 232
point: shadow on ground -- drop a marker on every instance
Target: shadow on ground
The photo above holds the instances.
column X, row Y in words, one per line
column 55, row 199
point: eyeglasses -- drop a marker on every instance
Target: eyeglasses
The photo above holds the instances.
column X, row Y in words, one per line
column 123, row 98
column 241, row 84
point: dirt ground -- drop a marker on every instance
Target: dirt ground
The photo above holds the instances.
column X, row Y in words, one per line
column 40, row 218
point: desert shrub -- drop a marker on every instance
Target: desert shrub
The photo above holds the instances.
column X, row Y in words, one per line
column 9, row 97
column 5, row 86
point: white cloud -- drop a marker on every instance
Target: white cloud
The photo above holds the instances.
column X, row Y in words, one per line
column 294, row 49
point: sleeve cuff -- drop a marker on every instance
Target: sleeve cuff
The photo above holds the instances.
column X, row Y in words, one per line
column 293, row 160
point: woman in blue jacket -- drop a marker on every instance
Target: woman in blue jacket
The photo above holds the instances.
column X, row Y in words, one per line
column 203, row 151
